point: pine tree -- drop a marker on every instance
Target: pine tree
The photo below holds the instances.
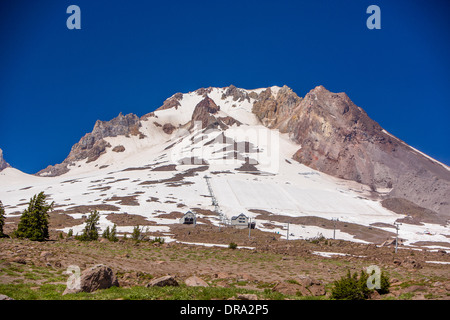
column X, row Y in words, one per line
column 90, row 231
column 106, row 233
column 2, row 219
column 137, row 234
column 35, row 219
column 112, row 234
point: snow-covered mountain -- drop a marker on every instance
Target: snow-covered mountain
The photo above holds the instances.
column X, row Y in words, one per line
column 270, row 154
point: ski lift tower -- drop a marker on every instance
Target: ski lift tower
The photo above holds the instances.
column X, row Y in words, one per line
column 215, row 203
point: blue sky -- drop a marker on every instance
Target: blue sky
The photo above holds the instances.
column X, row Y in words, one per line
column 131, row 55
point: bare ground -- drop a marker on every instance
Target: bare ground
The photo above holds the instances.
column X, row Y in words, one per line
column 271, row 260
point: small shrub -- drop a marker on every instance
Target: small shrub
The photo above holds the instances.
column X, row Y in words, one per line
column 106, row 233
column 138, row 234
column 232, row 245
column 70, row 233
column 349, row 287
column 113, row 234
column 385, row 283
column 110, row 234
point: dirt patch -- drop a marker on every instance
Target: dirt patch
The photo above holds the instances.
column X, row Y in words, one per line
column 370, row 234
column 89, row 208
column 169, row 167
column 178, row 177
column 431, row 243
column 204, row 212
column 118, row 180
column 125, row 219
column 171, row 215
column 416, row 214
column 102, row 189
column 62, row 220
column 125, row 201
column 270, row 262
column 382, row 225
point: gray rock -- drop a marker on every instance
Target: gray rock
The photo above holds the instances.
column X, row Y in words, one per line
column 195, row 281
column 95, row 278
column 4, row 297
column 3, row 163
column 163, row 282
column 247, row 296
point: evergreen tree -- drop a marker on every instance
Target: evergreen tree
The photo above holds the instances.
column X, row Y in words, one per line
column 113, row 235
column 2, row 219
column 110, row 234
column 137, row 234
column 106, row 233
column 90, row 231
column 35, row 219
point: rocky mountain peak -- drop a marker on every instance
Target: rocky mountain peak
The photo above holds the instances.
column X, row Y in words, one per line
column 93, row 145
column 3, row 163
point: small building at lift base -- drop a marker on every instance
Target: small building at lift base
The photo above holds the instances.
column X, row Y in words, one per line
column 241, row 221
column 188, row 218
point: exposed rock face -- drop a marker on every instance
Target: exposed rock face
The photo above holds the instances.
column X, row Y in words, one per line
column 3, row 163
column 237, row 94
column 93, row 145
column 119, row 148
column 172, row 102
column 168, row 128
column 273, row 110
column 204, row 112
column 340, row 139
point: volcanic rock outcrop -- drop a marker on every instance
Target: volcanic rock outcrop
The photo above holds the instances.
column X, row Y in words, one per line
column 93, row 145
column 3, row 163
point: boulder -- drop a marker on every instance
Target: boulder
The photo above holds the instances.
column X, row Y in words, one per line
column 163, row 282
column 95, row 278
column 411, row 263
column 247, row 296
column 195, row 281
column 4, row 297
column 317, row 290
column 291, row 289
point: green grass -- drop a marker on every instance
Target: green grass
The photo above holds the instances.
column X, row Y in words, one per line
column 54, row 292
